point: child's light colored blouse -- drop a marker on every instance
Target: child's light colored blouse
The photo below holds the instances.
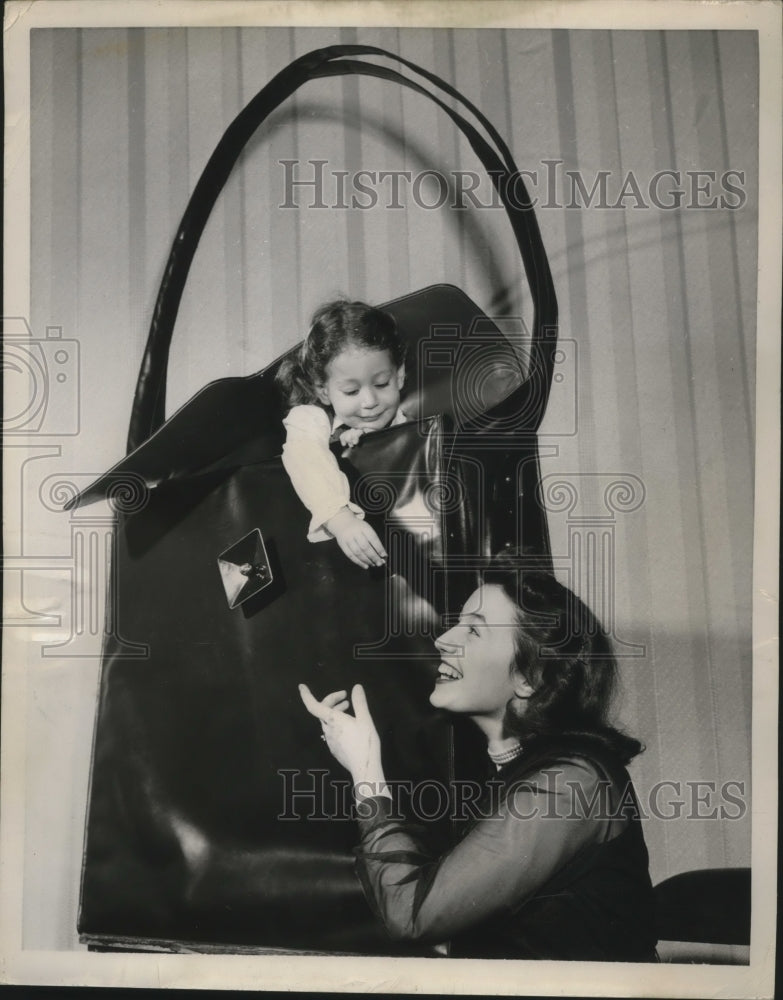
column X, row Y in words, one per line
column 313, row 469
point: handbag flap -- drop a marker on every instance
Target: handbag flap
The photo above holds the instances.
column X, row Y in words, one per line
column 460, row 363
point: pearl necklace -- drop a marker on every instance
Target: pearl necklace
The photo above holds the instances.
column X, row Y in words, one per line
column 501, row 757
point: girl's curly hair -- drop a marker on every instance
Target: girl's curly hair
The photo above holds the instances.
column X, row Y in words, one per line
column 335, row 326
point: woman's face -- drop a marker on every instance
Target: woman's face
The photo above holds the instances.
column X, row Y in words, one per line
column 476, row 674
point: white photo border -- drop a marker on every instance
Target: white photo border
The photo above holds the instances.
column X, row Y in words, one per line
column 337, row 973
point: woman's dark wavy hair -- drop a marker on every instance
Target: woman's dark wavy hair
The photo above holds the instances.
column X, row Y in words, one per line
column 566, row 657
column 335, row 326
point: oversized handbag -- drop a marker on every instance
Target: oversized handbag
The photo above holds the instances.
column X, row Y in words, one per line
column 217, row 819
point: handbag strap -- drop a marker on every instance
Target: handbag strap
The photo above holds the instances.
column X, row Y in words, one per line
column 148, row 413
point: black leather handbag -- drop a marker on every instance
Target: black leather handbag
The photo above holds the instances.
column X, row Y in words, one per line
column 217, row 819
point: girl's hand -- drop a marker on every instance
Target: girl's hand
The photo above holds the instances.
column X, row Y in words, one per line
column 350, row 438
column 357, row 539
column 352, row 739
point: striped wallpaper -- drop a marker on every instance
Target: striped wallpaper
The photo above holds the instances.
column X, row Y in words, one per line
column 657, row 313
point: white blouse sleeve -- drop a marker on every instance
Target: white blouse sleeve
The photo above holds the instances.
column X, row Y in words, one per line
column 313, row 469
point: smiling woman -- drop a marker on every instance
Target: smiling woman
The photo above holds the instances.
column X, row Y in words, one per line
column 553, row 867
column 475, row 674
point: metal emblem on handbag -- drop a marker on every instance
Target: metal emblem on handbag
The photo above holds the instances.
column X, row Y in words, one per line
column 244, row 568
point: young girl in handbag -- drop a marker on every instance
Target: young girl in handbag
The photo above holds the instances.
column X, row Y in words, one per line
column 345, row 380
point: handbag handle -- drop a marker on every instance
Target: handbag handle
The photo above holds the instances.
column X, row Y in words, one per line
column 148, row 412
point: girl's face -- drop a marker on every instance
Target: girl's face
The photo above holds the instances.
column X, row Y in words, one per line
column 363, row 387
column 476, row 675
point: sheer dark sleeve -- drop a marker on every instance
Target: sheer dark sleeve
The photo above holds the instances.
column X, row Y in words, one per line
column 504, row 858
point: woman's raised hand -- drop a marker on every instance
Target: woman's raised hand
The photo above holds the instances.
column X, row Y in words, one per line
column 352, row 739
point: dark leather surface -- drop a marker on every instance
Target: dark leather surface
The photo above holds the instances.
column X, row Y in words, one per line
column 184, row 840
column 184, row 847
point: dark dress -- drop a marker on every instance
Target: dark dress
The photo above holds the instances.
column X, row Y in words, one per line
column 553, row 867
